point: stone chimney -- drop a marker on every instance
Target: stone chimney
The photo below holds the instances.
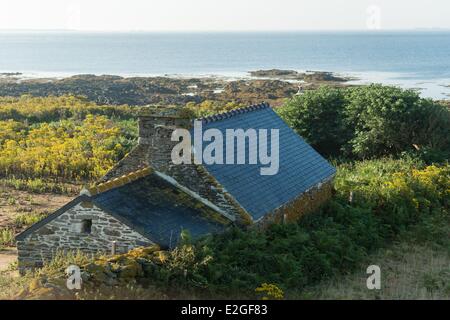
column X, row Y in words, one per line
column 154, row 148
column 155, row 130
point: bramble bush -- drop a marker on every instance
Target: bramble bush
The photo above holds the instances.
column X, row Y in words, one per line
column 388, row 120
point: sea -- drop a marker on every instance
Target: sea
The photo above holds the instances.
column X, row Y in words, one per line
column 411, row 59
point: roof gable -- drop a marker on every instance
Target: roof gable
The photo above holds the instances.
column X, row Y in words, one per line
column 151, row 204
column 21, row 236
column 300, row 166
column 161, row 210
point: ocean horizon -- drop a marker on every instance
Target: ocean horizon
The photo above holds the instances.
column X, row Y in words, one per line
column 410, row 59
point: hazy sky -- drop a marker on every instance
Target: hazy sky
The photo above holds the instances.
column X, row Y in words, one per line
column 214, row 15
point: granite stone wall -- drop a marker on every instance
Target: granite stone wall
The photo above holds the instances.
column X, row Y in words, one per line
column 305, row 203
column 68, row 232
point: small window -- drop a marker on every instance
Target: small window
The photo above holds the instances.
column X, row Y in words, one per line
column 86, row 226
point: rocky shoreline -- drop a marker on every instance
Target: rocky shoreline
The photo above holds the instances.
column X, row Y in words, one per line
column 272, row 86
column 308, row 76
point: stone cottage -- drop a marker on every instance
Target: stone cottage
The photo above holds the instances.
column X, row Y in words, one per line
column 146, row 199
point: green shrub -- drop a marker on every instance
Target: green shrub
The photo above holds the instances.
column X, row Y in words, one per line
column 317, row 117
column 371, row 121
column 388, row 120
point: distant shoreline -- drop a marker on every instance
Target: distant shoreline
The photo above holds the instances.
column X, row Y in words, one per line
column 274, row 87
column 224, row 75
column 438, row 89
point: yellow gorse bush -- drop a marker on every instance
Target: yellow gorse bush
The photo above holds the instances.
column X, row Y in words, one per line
column 269, row 291
column 11, row 130
column 45, row 109
column 395, row 188
column 67, row 149
column 422, row 186
column 66, row 138
column 435, row 179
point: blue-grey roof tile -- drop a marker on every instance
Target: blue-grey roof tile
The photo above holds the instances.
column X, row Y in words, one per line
column 155, row 207
column 300, row 166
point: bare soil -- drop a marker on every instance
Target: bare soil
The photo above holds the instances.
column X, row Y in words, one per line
column 7, row 256
column 14, row 202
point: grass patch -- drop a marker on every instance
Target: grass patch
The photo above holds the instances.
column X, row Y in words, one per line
column 27, row 219
column 39, row 186
column 7, row 237
column 408, row 271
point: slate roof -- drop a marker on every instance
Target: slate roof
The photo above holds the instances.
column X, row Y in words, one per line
column 153, row 207
column 300, row 166
column 160, row 210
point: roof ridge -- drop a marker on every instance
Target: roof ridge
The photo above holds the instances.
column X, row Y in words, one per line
column 194, row 195
column 117, row 182
column 229, row 114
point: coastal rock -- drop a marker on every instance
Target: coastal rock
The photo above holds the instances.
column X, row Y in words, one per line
column 273, row 87
column 277, row 73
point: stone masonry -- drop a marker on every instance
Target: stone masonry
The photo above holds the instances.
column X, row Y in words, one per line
column 305, row 203
column 66, row 233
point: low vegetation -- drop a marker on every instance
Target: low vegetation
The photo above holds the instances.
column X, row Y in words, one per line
column 408, row 271
column 67, row 149
column 32, row 110
column 392, row 186
column 39, row 185
column 6, row 237
column 44, row 141
column 28, row 219
column 137, row 91
column 391, row 200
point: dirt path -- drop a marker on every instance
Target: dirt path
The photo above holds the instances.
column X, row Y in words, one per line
column 7, row 256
